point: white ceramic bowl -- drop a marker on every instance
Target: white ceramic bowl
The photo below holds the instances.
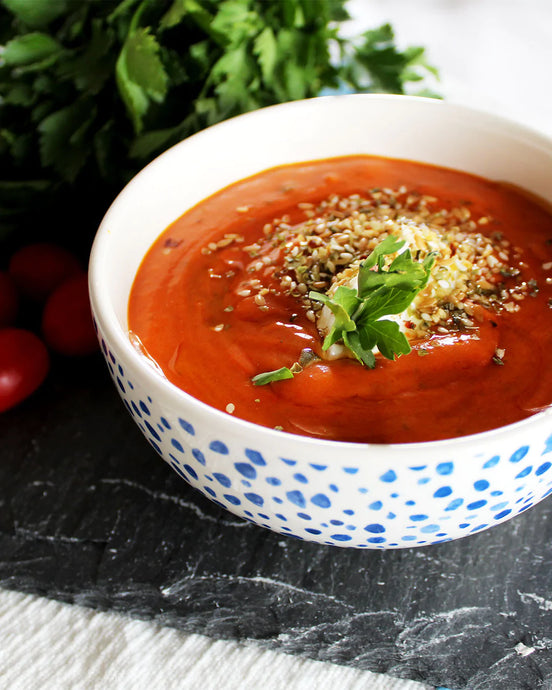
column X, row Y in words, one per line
column 360, row 495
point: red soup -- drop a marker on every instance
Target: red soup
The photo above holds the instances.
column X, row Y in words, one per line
column 268, row 301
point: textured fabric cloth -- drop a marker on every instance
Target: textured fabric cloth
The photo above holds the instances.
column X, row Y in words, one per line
column 492, row 54
column 46, row 645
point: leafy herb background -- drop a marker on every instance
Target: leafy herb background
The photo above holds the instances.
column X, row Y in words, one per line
column 92, row 90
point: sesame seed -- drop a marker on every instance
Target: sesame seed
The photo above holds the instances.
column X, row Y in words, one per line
column 325, row 249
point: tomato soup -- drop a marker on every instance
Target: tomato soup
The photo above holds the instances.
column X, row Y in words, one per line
column 230, row 291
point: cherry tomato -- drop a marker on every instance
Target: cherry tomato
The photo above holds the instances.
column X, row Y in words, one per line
column 24, row 363
column 9, row 300
column 67, row 320
column 39, row 268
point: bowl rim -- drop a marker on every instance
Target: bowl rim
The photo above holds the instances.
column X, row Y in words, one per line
column 104, row 314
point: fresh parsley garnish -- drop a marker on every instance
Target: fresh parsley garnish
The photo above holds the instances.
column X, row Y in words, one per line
column 91, row 91
column 358, row 313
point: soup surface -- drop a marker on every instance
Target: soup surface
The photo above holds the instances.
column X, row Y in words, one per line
column 246, row 283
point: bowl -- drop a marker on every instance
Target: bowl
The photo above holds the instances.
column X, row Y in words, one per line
column 369, row 496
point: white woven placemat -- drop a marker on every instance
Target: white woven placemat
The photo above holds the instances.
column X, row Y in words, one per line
column 47, row 645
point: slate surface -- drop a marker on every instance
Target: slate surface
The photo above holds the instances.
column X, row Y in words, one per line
column 90, row 515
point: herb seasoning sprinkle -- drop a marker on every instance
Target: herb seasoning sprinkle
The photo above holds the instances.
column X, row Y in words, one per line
column 326, row 248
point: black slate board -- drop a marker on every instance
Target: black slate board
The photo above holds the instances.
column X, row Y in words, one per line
column 90, row 515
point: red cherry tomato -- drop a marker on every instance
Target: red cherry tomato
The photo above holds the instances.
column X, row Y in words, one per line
column 39, row 268
column 24, row 363
column 67, row 320
column 9, row 300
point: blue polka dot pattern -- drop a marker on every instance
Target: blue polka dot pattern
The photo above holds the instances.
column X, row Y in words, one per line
column 491, row 462
column 416, row 500
column 218, row 447
column 376, row 528
column 255, row 457
column 188, row 428
column 246, row 469
column 388, row 477
column 418, row 517
column 234, row 500
column 321, row 500
column 190, row 471
column 255, row 498
column 297, row 498
column 222, row 479
column 481, row 485
column 519, row 454
column 198, row 455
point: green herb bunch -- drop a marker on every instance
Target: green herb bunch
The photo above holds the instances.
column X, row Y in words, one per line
column 91, row 90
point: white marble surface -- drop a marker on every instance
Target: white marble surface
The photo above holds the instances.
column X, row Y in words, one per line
column 493, row 54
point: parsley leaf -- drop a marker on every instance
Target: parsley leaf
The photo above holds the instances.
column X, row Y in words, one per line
column 141, row 76
column 376, row 61
column 31, row 48
column 36, row 14
column 61, row 136
column 387, row 336
column 344, row 303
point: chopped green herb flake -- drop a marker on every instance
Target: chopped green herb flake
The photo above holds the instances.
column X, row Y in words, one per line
column 272, row 376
